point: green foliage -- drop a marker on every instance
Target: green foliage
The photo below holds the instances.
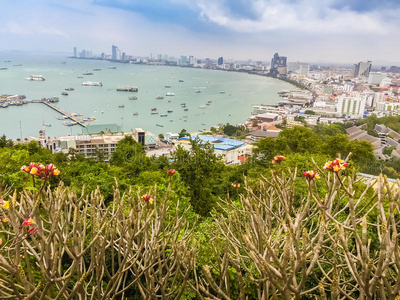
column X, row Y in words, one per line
column 229, row 129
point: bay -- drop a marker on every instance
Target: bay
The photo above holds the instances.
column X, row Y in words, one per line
column 242, row 92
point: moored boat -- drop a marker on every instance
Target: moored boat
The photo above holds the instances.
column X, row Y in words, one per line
column 35, row 78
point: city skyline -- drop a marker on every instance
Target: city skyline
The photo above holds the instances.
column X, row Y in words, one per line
column 313, row 31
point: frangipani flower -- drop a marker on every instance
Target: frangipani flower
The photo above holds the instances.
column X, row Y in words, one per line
column 235, row 185
column 27, row 222
column 40, row 170
column 171, row 172
column 336, row 165
column 148, row 198
column 310, row 175
column 5, row 219
column 6, row 204
column 278, row 159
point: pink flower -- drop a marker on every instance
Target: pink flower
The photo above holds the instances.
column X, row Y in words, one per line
column 310, row 175
column 148, row 198
column 32, row 230
column 27, row 222
column 278, row 159
column 336, row 165
column 171, row 172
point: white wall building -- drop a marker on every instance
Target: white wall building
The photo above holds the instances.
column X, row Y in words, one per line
column 351, row 106
column 386, row 106
column 376, row 78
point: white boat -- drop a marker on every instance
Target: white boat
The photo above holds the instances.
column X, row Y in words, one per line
column 197, row 91
column 222, row 92
column 202, row 106
column 92, row 83
column 35, row 78
column 170, row 94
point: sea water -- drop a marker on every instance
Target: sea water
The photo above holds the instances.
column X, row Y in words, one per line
column 241, row 92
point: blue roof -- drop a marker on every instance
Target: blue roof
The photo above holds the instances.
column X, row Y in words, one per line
column 219, row 143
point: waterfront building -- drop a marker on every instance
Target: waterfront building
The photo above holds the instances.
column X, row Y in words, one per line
column 191, row 60
column 171, row 137
column 75, row 52
column 362, row 69
column 114, row 52
column 220, row 61
column 278, row 65
column 351, row 106
column 183, row 60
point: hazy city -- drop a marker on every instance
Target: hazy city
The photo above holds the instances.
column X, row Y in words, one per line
column 199, row 149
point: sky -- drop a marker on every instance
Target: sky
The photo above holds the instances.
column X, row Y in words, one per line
column 324, row 31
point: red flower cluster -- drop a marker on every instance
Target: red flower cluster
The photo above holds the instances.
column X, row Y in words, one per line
column 278, row 159
column 336, row 165
column 171, row 172
column 310, row 175
column 27, row 223
column 44, row 172
column 148, row 198
column 235, row 185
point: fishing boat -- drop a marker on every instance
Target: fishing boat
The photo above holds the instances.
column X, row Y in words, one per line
column 222, row 92
column 202, row 106
column 121, row 106
column 170, row 111
column 197, row 91
column 159, row 97
column 159, row 125
column 170, row 94
column 154, row 109
column 180, row 80
column 64, row 93
column 167, row 86
column 135, row 113
column 132, row 97
column 154, row 113
column 186, row 109
column 163, row 115
column 70, row 89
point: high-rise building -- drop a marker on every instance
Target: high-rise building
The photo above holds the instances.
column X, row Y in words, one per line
column 376, row 77
column 183, row 60
column 362, row 69
column 191, row 60
column 114, row 52
column 75, row 51
column 207, row 63
column 220, row 61
column 159, row 57
column 123, row 56
column 278, row 65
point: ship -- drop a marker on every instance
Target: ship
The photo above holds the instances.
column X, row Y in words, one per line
column 35, row 78
column 92, row 83
column 124, row 88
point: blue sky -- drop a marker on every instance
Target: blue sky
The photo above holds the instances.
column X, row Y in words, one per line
column 343, row 31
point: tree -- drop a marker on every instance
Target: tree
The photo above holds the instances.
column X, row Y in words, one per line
column 184, row 133
column 201, row 170
column 229, row 129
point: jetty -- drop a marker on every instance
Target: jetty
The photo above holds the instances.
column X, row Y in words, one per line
column 71, row 116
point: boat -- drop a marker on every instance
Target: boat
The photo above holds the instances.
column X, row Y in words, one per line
column 159, row 97
column 222, row 92
column 170, row 94
column 185, row 116
column 154, row 109
column 154, row 113
column 17, row 65
column 132, row 97
column 170, row 111
column 121, row 106
column 197, row 91
column 167, row 86
column 171, row 120
column 183, row 104
column 92, row 83
column 135, row 113
column 159, row 125
column 3, row 68
column 80, row 77
column 70, row 89
column 112, row 68
column 96, row 69
column 51, row 99
column 186, row 109
column 89, row 119
column 87, row 74
column 208, row 104
column 209, row 101
column 47, row 125
column 127, row 88
column 7, row 60
column 180, row 80
column 76, row 115
column 163, row 115
column 35, row 78
column 62, row 118
column 202, row 106
column 64, row 93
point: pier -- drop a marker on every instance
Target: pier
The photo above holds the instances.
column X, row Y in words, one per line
column 70, row 116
